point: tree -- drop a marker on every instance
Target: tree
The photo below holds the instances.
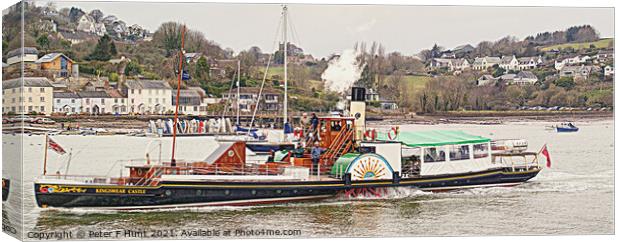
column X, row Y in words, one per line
column 43, row 42
column 104, row 50
column 565, row 82
column 202, row 69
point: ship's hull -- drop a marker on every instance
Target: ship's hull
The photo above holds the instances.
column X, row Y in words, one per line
column 193, row 194
column 566, row 129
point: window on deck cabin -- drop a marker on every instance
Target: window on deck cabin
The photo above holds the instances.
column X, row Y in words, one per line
column 481, row 150
column 459, row 152
column 434, row 155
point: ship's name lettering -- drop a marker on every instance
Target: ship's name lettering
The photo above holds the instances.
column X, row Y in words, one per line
column 120, row 191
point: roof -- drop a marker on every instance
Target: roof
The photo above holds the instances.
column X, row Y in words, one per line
column 114, row 93
column 435, row 138
column 50, row 57
column 66, row 95
column 526, row 74
column 26, row 82
column 93, row 94
column 18, row 51
column 147, row 84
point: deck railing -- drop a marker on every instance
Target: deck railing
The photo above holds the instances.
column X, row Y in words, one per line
column 518, row 161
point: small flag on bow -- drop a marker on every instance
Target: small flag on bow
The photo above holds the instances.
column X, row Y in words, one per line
column 545, row 152
column 52, row 145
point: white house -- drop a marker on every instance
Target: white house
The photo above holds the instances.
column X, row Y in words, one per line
column 26, row 95
column 573, row 60
column 67, row 103
column 486, row 80
column 148, row 96
column 450, row 64
column 509, row 63
column 95, row 102
column 482, row 63
column 528, row 63
column 29, row 55
column 609, row 71
column 118, row 103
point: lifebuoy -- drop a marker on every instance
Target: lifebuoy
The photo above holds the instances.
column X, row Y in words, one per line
column 393, row 133
column 371, row 134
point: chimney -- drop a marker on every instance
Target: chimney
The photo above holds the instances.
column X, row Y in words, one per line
column 357, row 109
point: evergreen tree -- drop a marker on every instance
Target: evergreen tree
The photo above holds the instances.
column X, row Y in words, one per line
column 104, row 50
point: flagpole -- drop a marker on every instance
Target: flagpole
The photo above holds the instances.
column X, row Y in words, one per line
column 45, row 157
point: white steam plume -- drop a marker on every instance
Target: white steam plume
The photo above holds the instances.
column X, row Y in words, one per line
column 342, row 72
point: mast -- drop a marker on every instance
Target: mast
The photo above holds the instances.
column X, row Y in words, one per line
column 238, row 87
column 284, row 36
column 45, row 157
column 176, row 111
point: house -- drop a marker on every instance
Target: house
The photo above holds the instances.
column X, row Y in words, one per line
column 118, row 102
column 76, row 37
column 67, row 103
column 528, row 63
column 462, row 50
column 521, row 78
column 248, row 96
column 27, row 95
column 372, row 95
column 29, row 56
column 582, row 71
column 87, row 23
column 388, row 105
column 486, row 80
column 483, row 63
column 524, row 78
column 192, row 57
column 448, row 54
column 58, row 64
column 509, row 63
column 190, row 101
column 148, row 96
column 96, row 85
column 571, row 60
column 608, row 71
column 604, row 55
column 450, row 64
column 95, row 102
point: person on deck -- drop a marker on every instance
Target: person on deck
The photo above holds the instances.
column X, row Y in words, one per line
column 316, row 157
column 314, row 122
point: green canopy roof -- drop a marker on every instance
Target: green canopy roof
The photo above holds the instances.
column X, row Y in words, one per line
column 435, row 138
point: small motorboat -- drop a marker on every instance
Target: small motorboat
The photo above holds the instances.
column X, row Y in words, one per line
column 566, row 127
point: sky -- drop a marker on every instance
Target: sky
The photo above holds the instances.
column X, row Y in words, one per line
column 322, row 30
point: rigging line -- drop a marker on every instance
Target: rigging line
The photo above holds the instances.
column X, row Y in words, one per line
column 294, row 33
column 232, row 84
column 262, row 85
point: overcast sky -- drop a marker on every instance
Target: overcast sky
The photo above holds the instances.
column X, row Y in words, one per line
column 325, row 29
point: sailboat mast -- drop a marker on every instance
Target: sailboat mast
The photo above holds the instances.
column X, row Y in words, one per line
column 238, row 87
column 45, row 156
column 176, row 111
column 284, row 35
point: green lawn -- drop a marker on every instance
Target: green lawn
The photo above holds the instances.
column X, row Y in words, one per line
column 602, row 43
column 415, row 83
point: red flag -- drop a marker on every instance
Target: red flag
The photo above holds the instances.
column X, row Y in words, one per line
column 545, row 152
column 55, row 147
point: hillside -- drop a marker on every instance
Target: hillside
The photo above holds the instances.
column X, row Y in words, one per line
column 602, row 43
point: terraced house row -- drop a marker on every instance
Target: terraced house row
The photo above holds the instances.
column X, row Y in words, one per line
column 39, row 95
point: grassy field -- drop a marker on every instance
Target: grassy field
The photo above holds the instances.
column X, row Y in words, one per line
column 416, row 83
column 602, row 43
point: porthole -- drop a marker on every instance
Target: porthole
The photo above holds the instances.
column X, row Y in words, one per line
column 227, row 192
column 199, row 192
column 278, row 191
column 295, row 191
column 253, row 192
column 168, row 193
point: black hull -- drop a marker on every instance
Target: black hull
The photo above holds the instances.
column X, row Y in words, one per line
column 191, row 194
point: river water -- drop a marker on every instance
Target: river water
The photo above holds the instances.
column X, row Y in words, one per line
column 574, row 196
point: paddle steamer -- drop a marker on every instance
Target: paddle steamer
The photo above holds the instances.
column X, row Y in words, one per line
column 352, row 164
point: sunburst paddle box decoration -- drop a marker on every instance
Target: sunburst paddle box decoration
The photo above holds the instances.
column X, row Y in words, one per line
column 136, row 120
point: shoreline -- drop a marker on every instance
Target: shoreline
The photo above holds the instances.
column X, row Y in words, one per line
column 139, row 123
